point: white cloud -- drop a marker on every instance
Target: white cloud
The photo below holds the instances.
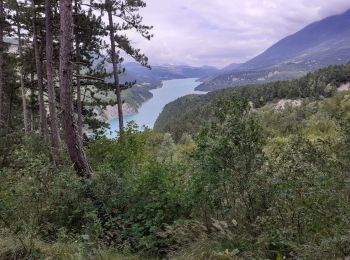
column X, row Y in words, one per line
column 220, row 32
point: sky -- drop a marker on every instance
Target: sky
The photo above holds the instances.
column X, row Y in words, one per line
column 221, row 32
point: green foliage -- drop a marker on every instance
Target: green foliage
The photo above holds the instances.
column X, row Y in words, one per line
column 37, row 199
column 255, row 183
column 167, row 149
column 229, row 155
column 136, row 191
column 304, row 183
column 191, row 113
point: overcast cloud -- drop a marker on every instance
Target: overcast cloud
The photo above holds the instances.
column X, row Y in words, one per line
column 220, row 32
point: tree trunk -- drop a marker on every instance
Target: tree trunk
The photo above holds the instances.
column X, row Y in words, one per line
column 114, row 57
column 38, row 63
column 79, row 102
column 55, row 137
column 2, row 49
column 23, row 91
column 74, row 145
column 10, row 108
column 77, row 51
column 31, row 105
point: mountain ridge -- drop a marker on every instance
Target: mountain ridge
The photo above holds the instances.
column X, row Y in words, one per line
column 318, row 45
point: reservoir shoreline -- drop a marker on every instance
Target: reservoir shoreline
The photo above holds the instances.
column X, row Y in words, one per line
column 150, row 110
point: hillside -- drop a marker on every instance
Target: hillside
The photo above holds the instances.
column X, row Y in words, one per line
column 316, row 46
column 135, row 71
column 189, row 114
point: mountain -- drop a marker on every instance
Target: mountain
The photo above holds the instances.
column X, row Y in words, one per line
column 231, row 67
column 318, row 45
column 135, row 71
column 191, row 113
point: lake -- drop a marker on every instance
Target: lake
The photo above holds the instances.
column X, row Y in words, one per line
column 150, row 110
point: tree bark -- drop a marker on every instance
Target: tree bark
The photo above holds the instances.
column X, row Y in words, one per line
column 54, row 136
column 31, row 106
column 2, row 49
column 21, row 71
column 79, row 101
column 74, row 145
column 114, row 57
column 38, row 63
column 77, row 51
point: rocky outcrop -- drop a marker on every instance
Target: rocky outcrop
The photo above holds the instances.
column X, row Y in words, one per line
column 283, row 103
column 344, row 87
column 111, row 112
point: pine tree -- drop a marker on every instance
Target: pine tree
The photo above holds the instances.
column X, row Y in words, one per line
column 23, row 91
column 54, row 135
column 17, row 21
column 2, row 50
column 39, row 73
column 128, row 18
column 89, row 74
column 74, row 145
column 115, row 58
column 8, row 75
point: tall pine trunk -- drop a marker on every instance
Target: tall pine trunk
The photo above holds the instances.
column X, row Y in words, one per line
column 39, row 73
column 31, row 110
column 74, row 145
column 114, row 57
column 77, row 51
column 54, row 136
column 79, row 101
column 23, row 91
column 2, row 49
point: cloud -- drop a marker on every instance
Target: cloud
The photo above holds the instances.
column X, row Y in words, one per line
column 220, row 32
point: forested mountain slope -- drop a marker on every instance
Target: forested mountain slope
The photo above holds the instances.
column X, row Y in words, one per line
column 318, row 45
column 190, row 113
column 135, row 71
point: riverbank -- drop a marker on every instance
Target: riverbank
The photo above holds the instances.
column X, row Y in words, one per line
column 150, row 110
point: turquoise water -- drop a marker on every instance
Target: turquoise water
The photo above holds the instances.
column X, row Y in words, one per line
column 150, row 110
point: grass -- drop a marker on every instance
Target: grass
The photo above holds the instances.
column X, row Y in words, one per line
column 13, row 248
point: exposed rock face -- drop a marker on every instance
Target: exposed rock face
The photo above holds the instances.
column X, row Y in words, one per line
column 111, row 112
column 344, row 87
column 283, row 103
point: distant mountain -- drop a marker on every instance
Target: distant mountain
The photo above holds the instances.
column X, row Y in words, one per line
column 318, row 45
column 135, row 71
column 231, row 67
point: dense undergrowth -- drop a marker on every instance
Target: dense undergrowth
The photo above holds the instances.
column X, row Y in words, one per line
column 263, row 184
column 251, row 182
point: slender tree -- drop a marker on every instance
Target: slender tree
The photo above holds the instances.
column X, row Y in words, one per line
column 54, row 136
column 127, row 18
column 32, row 104
column 74, row 145
column 90, row 72
column 2, row 50
column 79, row 101
column 115, row 58
column 17, row 21
column 77, row 64
column 21, row 71
column 39, row 73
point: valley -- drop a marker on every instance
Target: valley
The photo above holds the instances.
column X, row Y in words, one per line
column 149, row 79
column 150, row 110
column 118, row 141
